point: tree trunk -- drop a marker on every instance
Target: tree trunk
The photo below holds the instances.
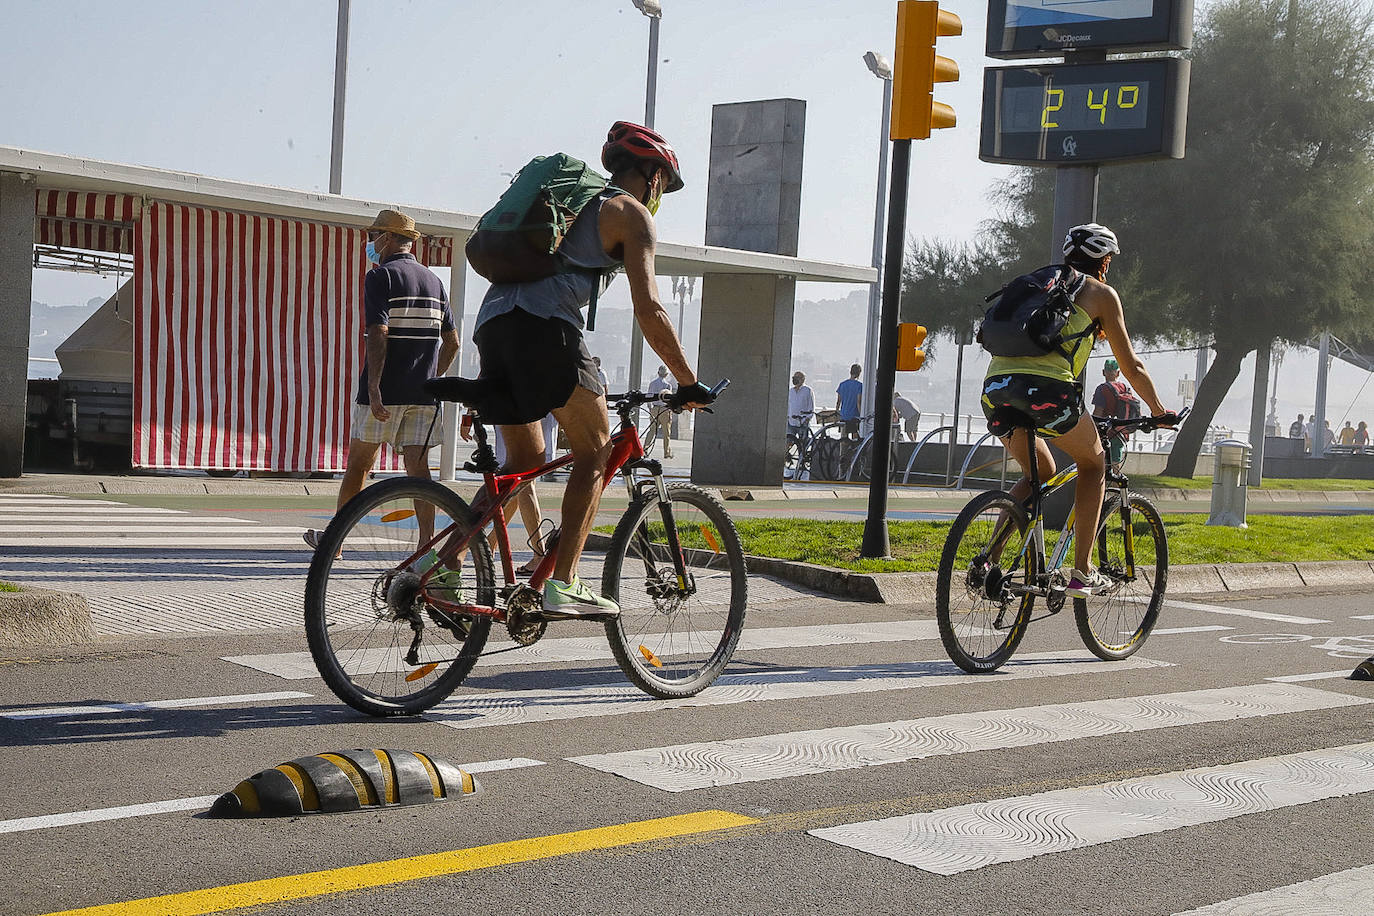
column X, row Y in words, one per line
column 1211, row 390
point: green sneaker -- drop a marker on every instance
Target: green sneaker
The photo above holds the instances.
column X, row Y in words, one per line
column 446, row 583
column 574, row 601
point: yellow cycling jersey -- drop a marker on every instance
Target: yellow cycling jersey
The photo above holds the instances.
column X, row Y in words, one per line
column 1052, row 365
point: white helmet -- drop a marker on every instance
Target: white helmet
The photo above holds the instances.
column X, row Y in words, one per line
column 1091, row 240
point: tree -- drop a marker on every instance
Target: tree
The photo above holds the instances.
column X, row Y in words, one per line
column 1262, row 232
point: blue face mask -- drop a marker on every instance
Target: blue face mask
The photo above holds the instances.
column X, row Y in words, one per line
column 372, row 256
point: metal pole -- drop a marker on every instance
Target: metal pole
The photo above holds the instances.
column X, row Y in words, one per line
column 650, row 97
column 1319, row 409
column 1075, row 203
column 457, row 292
column 340, row 80
column 1257, row 420
column 875, row 290
column 875, row 540
column 954, row 433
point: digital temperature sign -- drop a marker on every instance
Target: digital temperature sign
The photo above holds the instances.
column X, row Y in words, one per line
column 1041, row 28
column 1079, row 114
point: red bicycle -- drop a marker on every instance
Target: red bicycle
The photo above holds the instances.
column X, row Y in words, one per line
column 402, row 591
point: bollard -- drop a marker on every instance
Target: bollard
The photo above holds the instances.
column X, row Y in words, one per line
column 1230, row 480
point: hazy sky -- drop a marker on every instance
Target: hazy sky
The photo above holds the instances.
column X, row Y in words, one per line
column 445, row 96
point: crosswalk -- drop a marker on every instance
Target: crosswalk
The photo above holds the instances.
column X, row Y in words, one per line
column 41, row 521
column 805, row 677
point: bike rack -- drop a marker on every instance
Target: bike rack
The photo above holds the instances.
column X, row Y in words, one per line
column 906, row 473
column 959, row 483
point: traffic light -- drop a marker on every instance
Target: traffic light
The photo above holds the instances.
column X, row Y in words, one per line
column 910, row 356
column 918, row 68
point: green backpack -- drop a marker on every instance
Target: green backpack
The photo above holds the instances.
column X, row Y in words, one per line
column 517, row 240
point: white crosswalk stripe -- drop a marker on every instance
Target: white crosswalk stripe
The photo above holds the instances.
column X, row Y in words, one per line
column 1340, row 894
column 720, row 763
column 970, row 837
column 86, row 524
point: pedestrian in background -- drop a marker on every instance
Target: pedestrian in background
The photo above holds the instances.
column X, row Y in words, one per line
column 661, row 416
column 848, row 396
column 601, row 376
column 908, row 412
column 1298, row 428
column 1347, row 434
column 801, row 406
column 411, row 337
column 1362, row 435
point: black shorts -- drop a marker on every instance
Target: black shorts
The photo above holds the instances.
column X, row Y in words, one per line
column 1012, row 401
column 538, row 361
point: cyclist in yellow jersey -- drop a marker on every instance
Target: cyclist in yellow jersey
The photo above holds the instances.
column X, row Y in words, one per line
column 1046, row 389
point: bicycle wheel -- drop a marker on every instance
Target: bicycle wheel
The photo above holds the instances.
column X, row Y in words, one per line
column 792, row 464
column 861, row 467
column 672, row 644
column 981, row 621
column 365, row 610
column 1114, row 624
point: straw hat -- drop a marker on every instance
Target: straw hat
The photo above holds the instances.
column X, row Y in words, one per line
column 396, row 222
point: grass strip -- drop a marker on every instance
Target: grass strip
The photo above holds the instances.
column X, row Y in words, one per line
column 1333, row 484
column 9, row 587
column 916, row 546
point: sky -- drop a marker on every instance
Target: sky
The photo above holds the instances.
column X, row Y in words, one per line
column 446, row 98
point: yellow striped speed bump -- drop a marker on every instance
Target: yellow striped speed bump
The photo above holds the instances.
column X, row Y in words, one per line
column 346, row 781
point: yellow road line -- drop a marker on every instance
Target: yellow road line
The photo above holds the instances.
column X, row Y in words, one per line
column 396, row 871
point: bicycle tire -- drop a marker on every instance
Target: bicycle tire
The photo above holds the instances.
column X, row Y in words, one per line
column 966, row 633
column 1127, row 610
column 654, row 639
column 356, row 635
column 792, row 463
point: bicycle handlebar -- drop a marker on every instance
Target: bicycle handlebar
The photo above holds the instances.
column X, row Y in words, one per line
column 1141, row 424
column 632, row 399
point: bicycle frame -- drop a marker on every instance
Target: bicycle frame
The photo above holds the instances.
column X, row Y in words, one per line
column 498, row 490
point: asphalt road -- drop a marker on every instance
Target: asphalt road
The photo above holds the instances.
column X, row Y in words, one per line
column 1230, row 757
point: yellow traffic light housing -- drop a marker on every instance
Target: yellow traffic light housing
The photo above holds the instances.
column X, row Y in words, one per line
column 918, row 68
column 910, row 356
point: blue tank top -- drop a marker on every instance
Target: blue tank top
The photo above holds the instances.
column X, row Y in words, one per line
column 566, row 293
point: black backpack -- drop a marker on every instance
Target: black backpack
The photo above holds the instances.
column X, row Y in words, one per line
column 1030, row 313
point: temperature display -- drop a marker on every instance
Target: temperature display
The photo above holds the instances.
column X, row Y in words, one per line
column 1084, row 113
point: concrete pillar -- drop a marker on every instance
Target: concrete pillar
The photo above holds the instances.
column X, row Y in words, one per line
column 17, row 203
column 753, row 202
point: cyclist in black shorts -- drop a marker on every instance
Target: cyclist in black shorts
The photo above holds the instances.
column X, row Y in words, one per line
column 529, row 336
column 1047, row 390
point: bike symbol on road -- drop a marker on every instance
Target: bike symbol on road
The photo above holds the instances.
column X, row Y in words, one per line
column 1334, row 646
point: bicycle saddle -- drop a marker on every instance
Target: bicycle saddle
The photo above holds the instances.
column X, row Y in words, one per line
column 485, row 396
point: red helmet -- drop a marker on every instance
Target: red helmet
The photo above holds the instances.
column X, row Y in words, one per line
column 642, row 143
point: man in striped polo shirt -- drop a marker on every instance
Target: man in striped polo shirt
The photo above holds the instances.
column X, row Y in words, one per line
column 411, row 337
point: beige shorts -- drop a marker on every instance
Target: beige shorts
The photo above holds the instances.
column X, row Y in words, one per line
column 409, row 425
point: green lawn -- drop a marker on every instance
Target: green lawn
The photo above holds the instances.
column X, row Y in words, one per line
column 916, row 546
column 1149, row 482
column 9, row 587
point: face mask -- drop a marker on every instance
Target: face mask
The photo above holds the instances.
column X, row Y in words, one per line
column 653, row 203
column 372, row 256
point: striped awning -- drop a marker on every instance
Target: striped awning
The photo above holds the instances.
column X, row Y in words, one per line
column 91, row 221
column 248, row 340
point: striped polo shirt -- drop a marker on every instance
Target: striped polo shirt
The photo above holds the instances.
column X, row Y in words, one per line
column 409, row 300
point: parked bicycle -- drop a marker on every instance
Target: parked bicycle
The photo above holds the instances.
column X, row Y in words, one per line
column 994, row 567
column 402, row 590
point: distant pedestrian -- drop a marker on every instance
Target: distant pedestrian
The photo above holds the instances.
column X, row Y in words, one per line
column 1111, row 399
column 801, row 406
column 909, row 413
column 411, row 337
column 662, row 416
column 1309, row 432
column 1362, row 435
column 848, row 396
column 1347, row 435
column 1297, row 429
column 1328, row 436
column 601, row 376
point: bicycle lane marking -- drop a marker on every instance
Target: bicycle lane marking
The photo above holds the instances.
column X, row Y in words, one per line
column 1341, row 892
column 1233, row 611
column 700, row 765
column 334, row 881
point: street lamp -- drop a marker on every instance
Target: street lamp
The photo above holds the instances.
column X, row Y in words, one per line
column 653, row 9
column 880, row 67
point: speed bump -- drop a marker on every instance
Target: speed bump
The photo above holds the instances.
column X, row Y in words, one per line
column 1364, row 671
column 346, row 781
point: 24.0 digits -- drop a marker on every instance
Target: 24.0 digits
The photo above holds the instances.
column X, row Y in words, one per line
column 1126, row 97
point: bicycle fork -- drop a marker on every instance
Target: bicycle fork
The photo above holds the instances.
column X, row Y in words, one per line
column 684, row 584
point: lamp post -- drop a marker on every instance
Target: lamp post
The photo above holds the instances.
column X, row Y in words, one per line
column 882, row 69
column 653, row 9
column 340, row 79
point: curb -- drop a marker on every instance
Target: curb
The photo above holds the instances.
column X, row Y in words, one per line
column 42, row 618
